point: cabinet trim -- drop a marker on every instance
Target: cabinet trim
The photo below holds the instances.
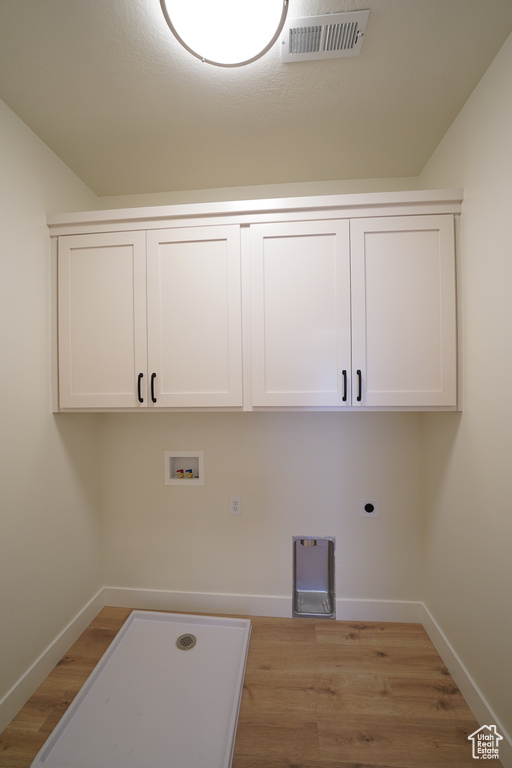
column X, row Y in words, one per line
column 258, row 211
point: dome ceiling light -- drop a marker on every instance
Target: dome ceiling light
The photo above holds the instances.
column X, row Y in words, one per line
column 226, row 33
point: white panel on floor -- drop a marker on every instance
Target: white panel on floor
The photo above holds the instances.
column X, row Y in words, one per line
column 150, row 703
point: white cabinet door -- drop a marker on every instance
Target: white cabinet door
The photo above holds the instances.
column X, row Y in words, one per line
column 194, row 317
column 403, row 311
column 300, row 314
column 102, row 320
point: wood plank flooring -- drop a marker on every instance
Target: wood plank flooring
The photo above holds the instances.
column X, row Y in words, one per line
column 317, row 694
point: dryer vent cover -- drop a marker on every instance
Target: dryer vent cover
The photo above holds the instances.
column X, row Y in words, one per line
column 323, row 37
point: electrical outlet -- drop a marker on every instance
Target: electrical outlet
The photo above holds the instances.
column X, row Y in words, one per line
column 235, row 505
column 369, row 508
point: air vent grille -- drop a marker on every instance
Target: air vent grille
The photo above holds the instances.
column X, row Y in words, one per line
column 304, row 40
column 323, row 37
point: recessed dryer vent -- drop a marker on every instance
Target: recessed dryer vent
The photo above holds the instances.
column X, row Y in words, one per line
column 313, row 577
column 323, row 37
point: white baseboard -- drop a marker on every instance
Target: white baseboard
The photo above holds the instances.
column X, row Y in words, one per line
column 23, row 689
column 466, row 685
column 379, row 610
column 256, row 605
column 168, row 600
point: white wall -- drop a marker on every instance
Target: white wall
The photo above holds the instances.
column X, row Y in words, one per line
column 468, row 534
column 297, row 473
column 49, row 502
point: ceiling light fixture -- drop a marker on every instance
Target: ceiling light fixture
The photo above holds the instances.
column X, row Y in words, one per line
column 226, row 33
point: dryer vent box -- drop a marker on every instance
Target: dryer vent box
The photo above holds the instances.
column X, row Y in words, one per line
column 313, row 577
column 323, row 37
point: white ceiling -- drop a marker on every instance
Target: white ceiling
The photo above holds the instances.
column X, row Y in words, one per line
column 108, row 88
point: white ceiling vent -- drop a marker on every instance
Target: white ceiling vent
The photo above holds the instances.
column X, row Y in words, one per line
column 323, row 37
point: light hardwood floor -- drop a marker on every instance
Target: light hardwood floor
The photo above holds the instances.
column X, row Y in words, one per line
column 317, row 694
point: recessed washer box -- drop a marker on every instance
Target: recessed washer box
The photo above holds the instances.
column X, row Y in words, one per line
column 166, row 693
column 183, row 468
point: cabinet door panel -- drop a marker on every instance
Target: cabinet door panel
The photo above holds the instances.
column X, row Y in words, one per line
column 403, row 310
column 194, row 316
column 102, row 320
column 300, row 313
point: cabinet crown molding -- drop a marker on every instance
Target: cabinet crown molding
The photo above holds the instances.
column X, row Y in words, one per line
column 251, row 211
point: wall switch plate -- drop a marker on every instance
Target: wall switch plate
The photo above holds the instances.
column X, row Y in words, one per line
column 369, row 508
column 235, row 505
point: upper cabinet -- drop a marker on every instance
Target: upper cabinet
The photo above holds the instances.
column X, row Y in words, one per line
column 363, row 319
column 150, row 320
column 333, row 303
column 403, row 311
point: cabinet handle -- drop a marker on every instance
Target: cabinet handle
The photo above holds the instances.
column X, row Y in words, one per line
column 139, row 395
column 359, row 385
column 153, row 377
column 344, row 374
